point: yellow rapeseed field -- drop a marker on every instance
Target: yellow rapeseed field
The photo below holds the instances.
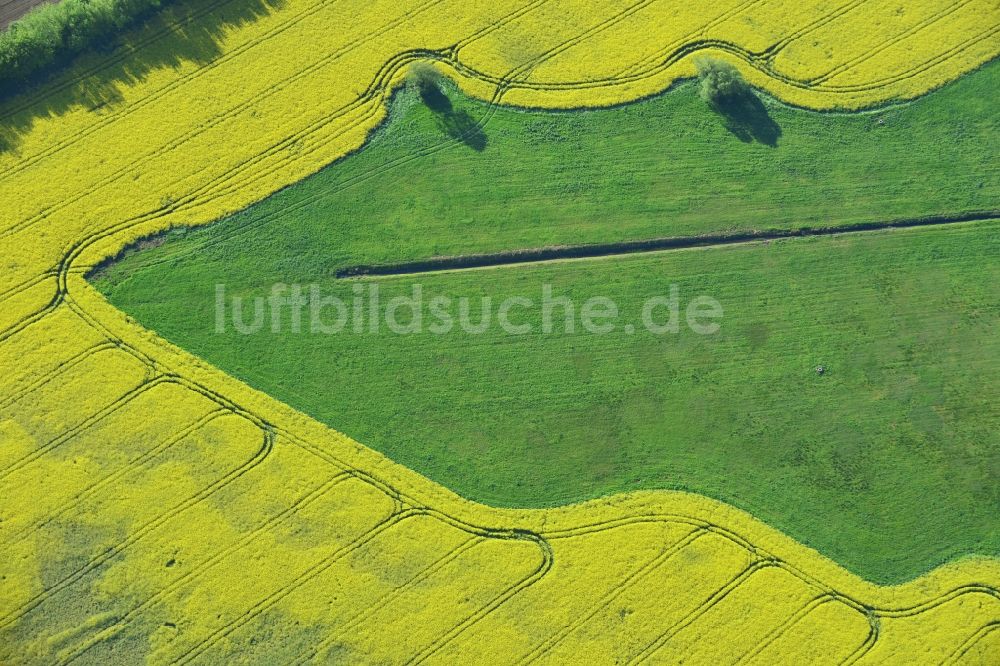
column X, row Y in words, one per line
column 157, row 509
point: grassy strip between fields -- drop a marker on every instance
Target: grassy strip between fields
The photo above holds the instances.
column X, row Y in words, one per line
column 885, row 460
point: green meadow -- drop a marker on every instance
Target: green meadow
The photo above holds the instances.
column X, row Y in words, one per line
column 847, row 398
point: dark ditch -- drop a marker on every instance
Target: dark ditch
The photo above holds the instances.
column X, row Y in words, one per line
column 545, row 254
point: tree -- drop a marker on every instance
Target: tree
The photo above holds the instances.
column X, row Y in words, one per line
column 426, row 80
column 721, row 83
column 725, row 91
column 54, row 33
column 424, row 77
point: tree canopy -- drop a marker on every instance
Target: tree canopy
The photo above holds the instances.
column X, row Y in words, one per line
column 54, row 33
column 720, row 82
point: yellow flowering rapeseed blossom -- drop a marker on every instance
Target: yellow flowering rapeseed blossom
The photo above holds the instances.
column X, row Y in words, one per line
column 156, row 509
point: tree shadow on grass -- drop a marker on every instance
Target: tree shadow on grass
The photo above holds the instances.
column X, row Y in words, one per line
column 434, row 98
column 456, row 124
column 190, row 30
column 747, row 118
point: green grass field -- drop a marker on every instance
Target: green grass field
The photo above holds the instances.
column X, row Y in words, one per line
column 886, row 462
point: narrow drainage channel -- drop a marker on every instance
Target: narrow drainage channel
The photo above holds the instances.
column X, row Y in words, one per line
column 547, row 254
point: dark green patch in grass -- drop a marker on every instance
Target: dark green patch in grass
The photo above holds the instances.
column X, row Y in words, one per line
column 886, row 462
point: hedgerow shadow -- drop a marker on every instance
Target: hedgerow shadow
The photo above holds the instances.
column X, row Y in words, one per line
column 187, row 31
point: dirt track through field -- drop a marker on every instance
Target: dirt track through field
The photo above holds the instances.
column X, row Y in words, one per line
column 11, row 10
column 547, row 254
